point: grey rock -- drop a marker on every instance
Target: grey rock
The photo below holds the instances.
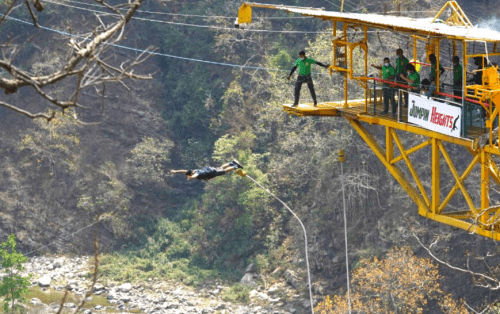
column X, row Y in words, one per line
column 305, row 303
column 112, row 295
column 221, row 307
column 44, row 281
column 98, row 287
column 215, row 292
column 250, row 268
column 249, row 279
column 35, row 301
column 207, row 310
column 57, row 263
column 291, row 278
column 126, row 287
column 318, row 289
column 262, row 296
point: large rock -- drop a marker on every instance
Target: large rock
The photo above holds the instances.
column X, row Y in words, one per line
column 291, row 278
column 250, row 268
column 35, row 301
column 249, row 279
column 126, row 287
column 112, row 295
column 44, row 281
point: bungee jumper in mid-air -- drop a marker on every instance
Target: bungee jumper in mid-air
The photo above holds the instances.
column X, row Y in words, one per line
column 304, row 65
column 209, row 173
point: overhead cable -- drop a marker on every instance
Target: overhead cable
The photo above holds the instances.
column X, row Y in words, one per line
column 190, row 25
column 201, row 26
column 187, row 15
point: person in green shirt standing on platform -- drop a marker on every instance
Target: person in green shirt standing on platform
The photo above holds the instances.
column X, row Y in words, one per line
column 457, row 77
column 401, row 63
column 413, row 78
column 432, row 75
column 304, row 65
column 388, row 73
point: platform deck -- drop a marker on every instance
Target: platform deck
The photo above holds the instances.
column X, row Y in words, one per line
column 357, row 110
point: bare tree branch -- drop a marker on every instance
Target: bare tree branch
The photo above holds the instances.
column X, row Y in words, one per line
column 28, row 114
column 85, row 62
column 491, row 283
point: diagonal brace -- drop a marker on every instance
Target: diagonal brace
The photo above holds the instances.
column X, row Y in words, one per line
column 398, row 174
column 410, row 166
column 459, row 180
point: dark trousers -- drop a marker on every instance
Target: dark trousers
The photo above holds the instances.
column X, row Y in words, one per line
column 389, row 97
column 457, row 90
column 298, row 85
column 400, row 80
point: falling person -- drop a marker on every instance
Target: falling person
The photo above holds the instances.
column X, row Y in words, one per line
column 209, row 173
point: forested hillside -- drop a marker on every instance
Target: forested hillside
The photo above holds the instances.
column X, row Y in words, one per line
column 113, row 160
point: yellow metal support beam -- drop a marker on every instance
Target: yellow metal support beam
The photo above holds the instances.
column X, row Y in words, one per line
column 458, row 183
column 245, row 10
column 485, row 182
column 411, row 151
column 435, row 176
column 398, row 175
column 469, row 227
column 410, row 167
column 457, row 178
column 389, row 144
column 415, row 130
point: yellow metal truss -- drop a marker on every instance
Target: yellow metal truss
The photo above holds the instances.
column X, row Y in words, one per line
column 479, row 218
column 457, row 18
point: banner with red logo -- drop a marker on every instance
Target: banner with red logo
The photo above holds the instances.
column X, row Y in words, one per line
column 434, row 115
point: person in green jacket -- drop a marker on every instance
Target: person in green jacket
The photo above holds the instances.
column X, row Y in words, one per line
column 304, row 65
column 401, row 63
column 388, row 73
column 457, row 77
column 432, row 75
column 413, row 78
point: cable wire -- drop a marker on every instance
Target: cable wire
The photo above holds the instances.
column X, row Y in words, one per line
column 303, row 229
column 345, row 234
column 190, row 25
column 63, row 238
column 187, row 15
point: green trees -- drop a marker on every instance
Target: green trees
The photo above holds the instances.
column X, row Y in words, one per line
column 13, row 285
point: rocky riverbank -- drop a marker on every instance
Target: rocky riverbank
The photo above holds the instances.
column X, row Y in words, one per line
column 52, row 275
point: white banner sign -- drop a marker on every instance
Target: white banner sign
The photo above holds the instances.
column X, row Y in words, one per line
column 435, row 116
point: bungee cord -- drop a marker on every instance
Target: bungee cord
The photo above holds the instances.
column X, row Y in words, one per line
column 303, row 230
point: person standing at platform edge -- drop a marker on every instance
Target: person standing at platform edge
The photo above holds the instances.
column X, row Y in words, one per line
column 457, row 77
column 304, row 65
column 388, row 73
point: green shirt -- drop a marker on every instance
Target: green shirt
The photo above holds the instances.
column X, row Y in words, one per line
column 415, row 77
column 401, row 64
column 304, row 65
column 457, row 74
column 432, row 76
column 387, row 72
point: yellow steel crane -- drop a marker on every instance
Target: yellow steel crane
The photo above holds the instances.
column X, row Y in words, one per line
column 451, row 120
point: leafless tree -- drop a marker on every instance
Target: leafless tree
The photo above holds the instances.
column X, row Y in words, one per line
column 86, row 65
